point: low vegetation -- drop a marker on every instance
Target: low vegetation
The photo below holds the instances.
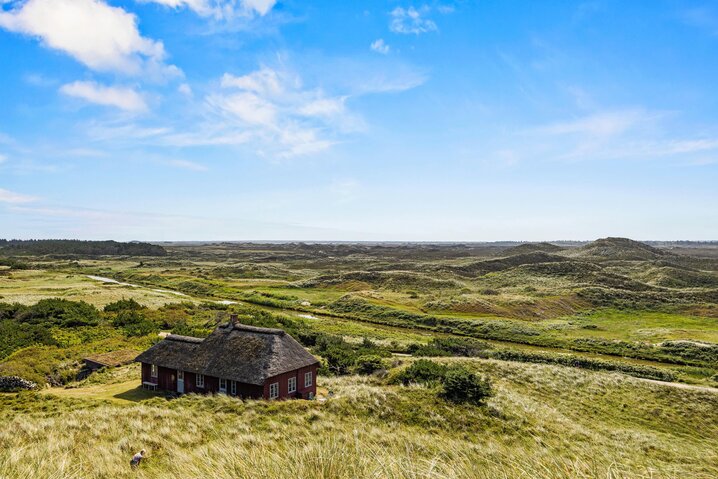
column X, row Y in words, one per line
column 447, row 361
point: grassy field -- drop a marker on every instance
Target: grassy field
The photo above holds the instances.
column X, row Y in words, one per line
column 543, row 422
column 560, row 320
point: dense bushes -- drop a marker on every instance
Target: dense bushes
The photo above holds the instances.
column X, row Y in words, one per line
column 585, row 363
column 457, row 383
column 467, row 347
column 57, row 312
column 422, row 371
column 123, row 305
column 77, row 247
column 463, row 386
column 14, row 335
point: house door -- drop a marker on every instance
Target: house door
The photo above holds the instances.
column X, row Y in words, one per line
column 180, row 381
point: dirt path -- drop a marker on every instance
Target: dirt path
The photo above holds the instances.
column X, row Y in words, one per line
column 682, row 385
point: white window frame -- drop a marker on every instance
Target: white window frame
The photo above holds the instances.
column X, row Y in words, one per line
column 233, row 388
column 199, row 380
column 308, row 379
column 292, row 385
column 222, row 389
column 154, row 370
column 274, row 391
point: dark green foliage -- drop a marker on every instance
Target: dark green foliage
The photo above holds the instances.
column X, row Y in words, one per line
column 14, row 264
column 185, row 329
column 123, row 305
column 77, row 247
column 342, row 357
column 585, row 363
column 463, row 386
column 14, row 336
column 134, row 323
column 694, row 350
column 59, row 312
column 467, row 347
column 369, row 364
column 422, row 371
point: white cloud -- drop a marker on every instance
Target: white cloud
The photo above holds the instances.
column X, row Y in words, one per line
column 7, row 196
column 411, row 20
column 186, row 165
column 323, row 107
column 120, row 97
column 220, row 9
column 272, row 107
column 185, row 89
column 103, row 37
column 3, row 158
column 264, row 81
column 379, row 46
column 602, row 124
column 246, row 106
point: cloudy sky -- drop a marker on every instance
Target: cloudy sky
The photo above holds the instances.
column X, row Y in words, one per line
column 358, row 120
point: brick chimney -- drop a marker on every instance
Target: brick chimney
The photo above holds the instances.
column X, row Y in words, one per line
column 233, row 320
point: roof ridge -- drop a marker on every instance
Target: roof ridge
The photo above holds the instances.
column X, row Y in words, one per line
column 186, row 339
column 255, row 329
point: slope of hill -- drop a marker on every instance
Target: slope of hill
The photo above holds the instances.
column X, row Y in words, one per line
column 544, row 421
column 618, row 249
column 532, row 248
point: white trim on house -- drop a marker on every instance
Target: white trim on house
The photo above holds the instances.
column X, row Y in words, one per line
column 274, row 391
column 199, row 380
column 222, row 385
column 233, row 388
column 153, row 370
column 308, row 379
column 292, row 385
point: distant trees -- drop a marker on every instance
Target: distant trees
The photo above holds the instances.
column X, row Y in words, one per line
column 78, row 247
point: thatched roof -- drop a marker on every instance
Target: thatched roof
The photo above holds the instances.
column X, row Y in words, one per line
column 237, row 352
column 114, row 358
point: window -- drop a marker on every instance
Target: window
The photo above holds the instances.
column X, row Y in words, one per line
column 307, row 379
column 223, row 385
column 233, row 388
column 200, row 380
column 274, row 391
column 153, row 371
column 292, row 385
column 180, row 375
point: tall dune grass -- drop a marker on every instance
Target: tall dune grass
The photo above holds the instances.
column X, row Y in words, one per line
column 544, row 422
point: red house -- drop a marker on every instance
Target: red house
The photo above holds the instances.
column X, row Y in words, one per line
column 236, row 359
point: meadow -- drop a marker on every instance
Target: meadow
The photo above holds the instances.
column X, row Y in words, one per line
column 602, row 360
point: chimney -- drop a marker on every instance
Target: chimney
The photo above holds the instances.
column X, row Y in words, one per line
column 233, row 320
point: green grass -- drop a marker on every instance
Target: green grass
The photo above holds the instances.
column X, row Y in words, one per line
column 543, row 421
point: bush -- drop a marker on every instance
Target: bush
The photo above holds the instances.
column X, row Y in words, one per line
column 422, row 371
column 59, row 312
column 463, row 386
column 123, row 305
column 369, row 364
column 134, row 323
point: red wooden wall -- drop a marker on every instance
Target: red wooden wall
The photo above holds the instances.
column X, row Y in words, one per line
column 167, row 381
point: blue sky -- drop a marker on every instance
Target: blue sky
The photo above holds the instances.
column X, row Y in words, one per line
column 374, row 120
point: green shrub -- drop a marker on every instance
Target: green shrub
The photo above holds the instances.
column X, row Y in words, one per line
column 463, row 386
column 369, row 364
column 422, row 371
column 123, row 305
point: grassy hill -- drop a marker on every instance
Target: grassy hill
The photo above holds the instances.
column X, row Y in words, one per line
column 571, row 339
column 543, row 422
